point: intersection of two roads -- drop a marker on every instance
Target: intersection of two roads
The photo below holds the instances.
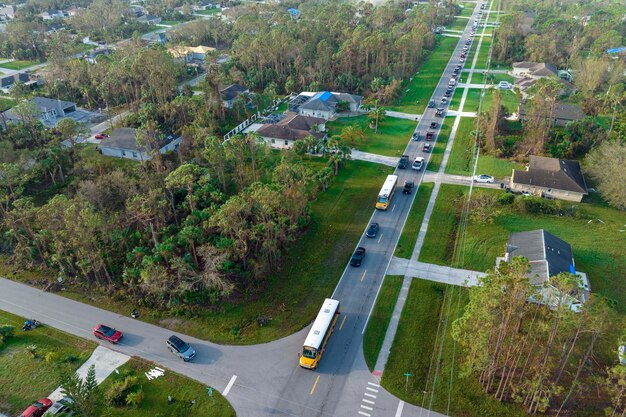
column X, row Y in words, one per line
column 265, row 380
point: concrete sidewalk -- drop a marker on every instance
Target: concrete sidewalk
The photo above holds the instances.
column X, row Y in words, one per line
column 432, row 272
column 400, row 115
column 105, row 361
column 372, row 157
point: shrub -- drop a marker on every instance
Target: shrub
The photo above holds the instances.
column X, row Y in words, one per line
column 32, row 349
column 135, row 398
column 6, row 331
column 51, row 357
column 506, row 198
column 116, row 395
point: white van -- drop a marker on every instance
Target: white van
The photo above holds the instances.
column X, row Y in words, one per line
column 418, row 163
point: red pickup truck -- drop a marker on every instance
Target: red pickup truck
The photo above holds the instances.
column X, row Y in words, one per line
column 430, row 135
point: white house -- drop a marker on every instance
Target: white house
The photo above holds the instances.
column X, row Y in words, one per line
column 283, row 134
column 50, row 111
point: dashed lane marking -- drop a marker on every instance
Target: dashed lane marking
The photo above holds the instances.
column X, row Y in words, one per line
column 366, row 407
column 342, row 322
column 374, row 385
column 400, row 408
column 314, row 385
column 367, row 401
column 364, row 414
column 363, row 276
column 371, row 389
column 369, row 395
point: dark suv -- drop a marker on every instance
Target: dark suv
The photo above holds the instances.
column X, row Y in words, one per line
column 180, row 348
column 408, row 187
column 404, row 162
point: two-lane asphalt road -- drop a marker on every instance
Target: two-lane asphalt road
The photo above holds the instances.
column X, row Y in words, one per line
column 265, row 380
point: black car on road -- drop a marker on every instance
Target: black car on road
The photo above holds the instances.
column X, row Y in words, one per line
column 433, row 125
column 408, row 187
column 372, row 231
column 357, row 256
column 404, row 162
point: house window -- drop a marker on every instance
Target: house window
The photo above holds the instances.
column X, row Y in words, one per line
column 273, row 141
column 134, row 154
column 123, row 153
column 286, row 142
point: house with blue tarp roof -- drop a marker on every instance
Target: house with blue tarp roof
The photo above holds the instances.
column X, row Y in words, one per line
column 323, row 104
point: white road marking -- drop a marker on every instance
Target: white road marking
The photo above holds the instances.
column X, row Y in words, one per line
column 364, row 414
column 393, row 208
column 374, row 385
column 400, row 408
column 230, row 385
column 367, row 401
column 371, row 389
column 366, row 407
column 381, row 236
column 369, row 395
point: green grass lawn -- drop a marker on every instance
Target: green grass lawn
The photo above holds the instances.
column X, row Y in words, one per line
column 599, row 248
column 421, row 87
column 170, row 22
column 460, row 161
column 392, row 137
column 18, row 65
column 496, row 78
column 208, row 12
column 461, row 155
column 190, row 397
column 456, row 99
column 415, row 351
column 483, row 54
column 408, row 238
column 379, row 320
column 442, row 141
column 32, row 378
column 310, row 268
column 508, row 99
column 6, row 103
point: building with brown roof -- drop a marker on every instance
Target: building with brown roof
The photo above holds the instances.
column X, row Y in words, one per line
column 293, row 127
column 550, row 177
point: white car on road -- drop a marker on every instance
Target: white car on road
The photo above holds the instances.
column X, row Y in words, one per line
column 483, row 178
column 505, row 85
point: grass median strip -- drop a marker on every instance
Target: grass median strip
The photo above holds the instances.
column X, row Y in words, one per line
column 413, row 359
column 408, row 238
column 379, row 320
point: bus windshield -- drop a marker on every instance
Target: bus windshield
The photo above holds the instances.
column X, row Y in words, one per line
column 308, row 352
column 383, row 200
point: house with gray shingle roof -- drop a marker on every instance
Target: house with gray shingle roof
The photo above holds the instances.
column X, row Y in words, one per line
column 126, row 143
column 550, row 177
column 547, row 256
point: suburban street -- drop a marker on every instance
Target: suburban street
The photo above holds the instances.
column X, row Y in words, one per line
column 265, row 380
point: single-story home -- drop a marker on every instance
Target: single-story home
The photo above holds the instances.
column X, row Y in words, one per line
column 122, row 143
column 562, row 113
column 92, row 56
column 230, row 94
column 548, row 256
column 323, row 104
column 149, row 19
column 533, row 70
column 550, row 177
column 190, row 53
column 293, row 127
column 51, row 111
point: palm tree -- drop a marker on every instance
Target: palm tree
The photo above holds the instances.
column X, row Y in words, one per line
column 352, row 135
column 377, row 115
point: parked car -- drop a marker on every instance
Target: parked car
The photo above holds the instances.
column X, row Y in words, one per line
column 427, row 147
column 372, row 231
column 408, row 187
column 444, row 100
column 180, row 348
column 101, row 136
column 415, row 136
column 357, row 256
column 484, row 178
column 439, row 112
column 107, row 333
column 431, row 104
column 37, row 408
column 404, row 161
column 418, row 163
column 433, row 125
column 61, row 407
column 505, row 85
column 430, row 135
column 447, row 94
